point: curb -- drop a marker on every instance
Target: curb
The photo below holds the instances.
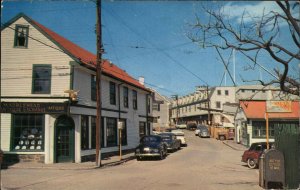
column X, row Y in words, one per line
column 74, row 167
column 227, row 144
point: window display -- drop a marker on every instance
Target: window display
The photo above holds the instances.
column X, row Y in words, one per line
column 28, row 132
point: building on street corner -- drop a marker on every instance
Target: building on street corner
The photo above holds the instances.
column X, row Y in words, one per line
column 48, row 98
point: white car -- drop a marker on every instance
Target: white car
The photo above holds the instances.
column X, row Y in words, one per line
column 181, row 126
column 198, row 129
column 180, row 135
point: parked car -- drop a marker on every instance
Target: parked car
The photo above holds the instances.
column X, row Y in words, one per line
column 151, row 146
column 180, row 135
column 181, row 126
column 251, row 156
column 198, row 129
column 204, row 132
column 191, row 126
column 172, row 142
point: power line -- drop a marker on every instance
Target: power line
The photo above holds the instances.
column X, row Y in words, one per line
column 158, row 49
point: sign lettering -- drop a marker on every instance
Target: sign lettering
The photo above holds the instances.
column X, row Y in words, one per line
column 33, row 107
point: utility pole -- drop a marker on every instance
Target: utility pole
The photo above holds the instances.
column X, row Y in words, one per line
column 208, row 106
column 176, row 98
column 98, row 85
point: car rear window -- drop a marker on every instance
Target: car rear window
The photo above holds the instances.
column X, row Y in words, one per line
column 150, row 139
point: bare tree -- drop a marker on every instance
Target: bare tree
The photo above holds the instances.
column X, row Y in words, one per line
column 258, row 36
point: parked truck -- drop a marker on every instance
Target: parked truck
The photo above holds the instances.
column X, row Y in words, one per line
column 222, row 133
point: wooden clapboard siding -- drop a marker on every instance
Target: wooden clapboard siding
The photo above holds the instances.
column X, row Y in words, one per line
column 5, row 131
column 17, row 63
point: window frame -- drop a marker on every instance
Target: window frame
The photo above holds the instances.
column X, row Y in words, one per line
column 125, row 97
column 114, row 142
column 26, row 27
column 84, row 140
column 112, row 93
column 13, row 135
column 142, row 125
column 33, row 88
column 134, row 100
column 226, row 92
column 124, row 132
column 219, row 92
column 93, row 88
column 218, row 104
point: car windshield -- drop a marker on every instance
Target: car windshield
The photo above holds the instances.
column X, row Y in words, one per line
column 150, row 139
column 201, row 127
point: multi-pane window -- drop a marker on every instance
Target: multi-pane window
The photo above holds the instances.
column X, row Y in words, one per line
column 218, row 104
column 149, row 104
column 125, row 96
column 28, row 132
column 259, row 129
column 124, row 132
column 111, row 132
column 142, row 129
column 84, row 132
column 93, row 88
column 134, row 99
column 112, row 93
column 93, row 132
column 226, row 92
column 21, row 36
column 41, row 79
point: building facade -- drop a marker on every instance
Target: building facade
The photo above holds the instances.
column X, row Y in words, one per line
column 48, row 98
column 251, row 120
column 160, row 111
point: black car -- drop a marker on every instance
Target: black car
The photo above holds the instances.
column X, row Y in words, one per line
column 172, row 142
column 151, row 146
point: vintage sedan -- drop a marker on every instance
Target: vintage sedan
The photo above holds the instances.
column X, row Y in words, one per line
column 172, row 142
column 251, row 156
column 151, row 146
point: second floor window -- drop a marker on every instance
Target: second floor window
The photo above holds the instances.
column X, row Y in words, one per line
column 125, row 96
column 93, row 88
column 218, row 104
column 21, row 36
column 112, row 93
column 41, row 79
column 226, row 92
column 134, row 99
column 219, row 92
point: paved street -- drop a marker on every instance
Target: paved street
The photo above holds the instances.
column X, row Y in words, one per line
column 204, row 164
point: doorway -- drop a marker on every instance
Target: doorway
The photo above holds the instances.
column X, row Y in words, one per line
column 64, row 139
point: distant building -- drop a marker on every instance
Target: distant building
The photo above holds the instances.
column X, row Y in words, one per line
column 222, row 103
column 250, row 121
column 48, row 98
column 160, row 110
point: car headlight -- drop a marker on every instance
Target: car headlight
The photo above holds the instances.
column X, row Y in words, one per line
column 155, row 150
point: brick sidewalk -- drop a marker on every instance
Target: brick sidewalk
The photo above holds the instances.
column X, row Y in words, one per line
column 107, row 162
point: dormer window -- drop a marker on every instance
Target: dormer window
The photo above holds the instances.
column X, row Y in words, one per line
column 21, row 36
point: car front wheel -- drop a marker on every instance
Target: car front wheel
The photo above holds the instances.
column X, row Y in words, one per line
column 251, row 163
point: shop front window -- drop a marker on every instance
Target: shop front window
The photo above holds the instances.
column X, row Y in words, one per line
column 111, row 132
column 28, row 132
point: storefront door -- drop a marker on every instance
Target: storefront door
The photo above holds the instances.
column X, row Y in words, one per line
column 64, row 139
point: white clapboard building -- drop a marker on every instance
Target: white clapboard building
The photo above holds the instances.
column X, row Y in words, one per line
column 48, row 98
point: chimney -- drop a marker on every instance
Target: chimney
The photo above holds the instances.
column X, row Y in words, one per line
column 142, row 80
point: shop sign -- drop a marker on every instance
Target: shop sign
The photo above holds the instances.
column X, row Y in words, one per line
column 33, row 107
column 279, row 106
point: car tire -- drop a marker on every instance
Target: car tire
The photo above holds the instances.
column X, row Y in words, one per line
column 222, row 138
column 161, row 157
column 251, row 163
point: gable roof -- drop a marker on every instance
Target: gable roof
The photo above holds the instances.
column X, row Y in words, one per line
column 257, row 110
column 80, row 55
